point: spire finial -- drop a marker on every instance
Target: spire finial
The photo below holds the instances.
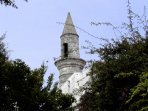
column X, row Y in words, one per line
column 69, row 26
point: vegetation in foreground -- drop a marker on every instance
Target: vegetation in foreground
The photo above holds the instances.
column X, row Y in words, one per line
column 22, row 88
column 120, row 76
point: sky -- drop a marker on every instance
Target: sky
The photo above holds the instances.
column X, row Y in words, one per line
column 33, row 34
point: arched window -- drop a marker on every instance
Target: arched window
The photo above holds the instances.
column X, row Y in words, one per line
column 65, row 45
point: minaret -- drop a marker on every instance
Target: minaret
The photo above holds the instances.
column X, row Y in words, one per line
column 70, row 61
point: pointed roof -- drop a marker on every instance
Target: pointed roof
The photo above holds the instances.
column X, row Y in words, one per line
column 69, row 26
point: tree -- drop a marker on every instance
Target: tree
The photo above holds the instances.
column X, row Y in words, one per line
column 21, row 87
column 119, row 76
column 3, row 52
column 139, row 95
column 9, row 3
column 117, row 73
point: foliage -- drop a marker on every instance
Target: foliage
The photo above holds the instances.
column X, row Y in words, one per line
column 3, row 51
column 139, row 95
column 119, row 77
column 21, row 87
column 9, row 3
column 118, row 71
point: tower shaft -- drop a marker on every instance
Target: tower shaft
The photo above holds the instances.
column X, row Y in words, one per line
column 70, row 61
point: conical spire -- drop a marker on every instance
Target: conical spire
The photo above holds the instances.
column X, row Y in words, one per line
column 69, row 26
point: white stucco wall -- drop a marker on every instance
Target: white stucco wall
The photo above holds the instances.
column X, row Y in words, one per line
column 74, row 83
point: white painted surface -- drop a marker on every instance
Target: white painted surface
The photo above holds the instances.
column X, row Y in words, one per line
column 74, row 83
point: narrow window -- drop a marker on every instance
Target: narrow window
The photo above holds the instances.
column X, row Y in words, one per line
column 65, row 49
column 69, row 86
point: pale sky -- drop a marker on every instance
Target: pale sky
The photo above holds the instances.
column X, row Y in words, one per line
column 33, row 35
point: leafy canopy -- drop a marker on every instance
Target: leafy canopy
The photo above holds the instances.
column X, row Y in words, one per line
column 9, row 3
column 119, row 77
column 22, row 88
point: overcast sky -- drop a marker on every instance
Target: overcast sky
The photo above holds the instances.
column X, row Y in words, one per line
column 33, row 35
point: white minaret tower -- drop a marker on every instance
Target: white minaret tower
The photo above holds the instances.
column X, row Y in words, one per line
column 70, row 61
